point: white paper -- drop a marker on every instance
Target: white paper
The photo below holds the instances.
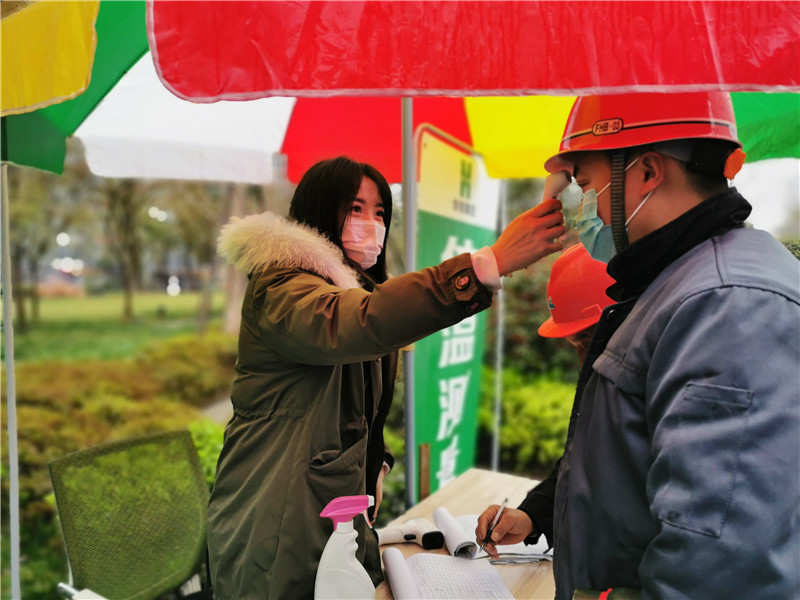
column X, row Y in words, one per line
column 433, row 576
column 459, row 542
column 399, row 575
column 538, row 550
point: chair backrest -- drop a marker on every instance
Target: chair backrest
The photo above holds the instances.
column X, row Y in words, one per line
column 133, row 514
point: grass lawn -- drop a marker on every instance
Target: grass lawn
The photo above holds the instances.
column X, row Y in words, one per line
column 92, row 327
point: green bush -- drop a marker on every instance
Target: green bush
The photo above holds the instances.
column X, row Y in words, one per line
column 48, row 431
column 64, row 386
column 534, row 420
column 394, row 485
column 43, row 562
column 207, row 437
column 193, row 372
column 525, row 310
column 793, row 246
column 67, row 406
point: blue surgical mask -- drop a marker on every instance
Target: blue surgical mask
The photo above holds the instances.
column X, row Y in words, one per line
column 595, row 235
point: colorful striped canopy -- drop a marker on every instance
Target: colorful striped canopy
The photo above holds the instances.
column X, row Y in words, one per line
column 37, row 74
column 514, row 133
column 207, row 51
column 38, row 138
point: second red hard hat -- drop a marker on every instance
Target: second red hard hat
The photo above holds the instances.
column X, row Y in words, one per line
column 576, row 293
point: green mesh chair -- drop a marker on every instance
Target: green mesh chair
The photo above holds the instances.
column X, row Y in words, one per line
column 133, row 514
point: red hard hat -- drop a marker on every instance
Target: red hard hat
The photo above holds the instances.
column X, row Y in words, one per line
column 610, row 122
column 576, row 293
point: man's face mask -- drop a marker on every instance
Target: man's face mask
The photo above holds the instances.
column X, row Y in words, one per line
column 363, row 241
column 595, row 235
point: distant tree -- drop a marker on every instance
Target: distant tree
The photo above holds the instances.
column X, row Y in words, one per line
column 243, row 200
column 238, row 203
column 26, row 195
column 124, row 208
column 42, row 205
column 197, row 211
column 194, row 220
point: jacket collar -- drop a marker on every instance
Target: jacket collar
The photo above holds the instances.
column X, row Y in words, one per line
column 256, row 242
column 637, row 266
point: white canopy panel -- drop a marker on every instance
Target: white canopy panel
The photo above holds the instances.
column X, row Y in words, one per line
column 141, row 130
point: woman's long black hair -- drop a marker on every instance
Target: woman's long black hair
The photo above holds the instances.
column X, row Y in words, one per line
column 325, row 194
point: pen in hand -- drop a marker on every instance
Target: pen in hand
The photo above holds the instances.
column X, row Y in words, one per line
column 496, row 519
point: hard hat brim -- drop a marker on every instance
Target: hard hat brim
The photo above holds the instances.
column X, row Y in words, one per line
column 551, row 329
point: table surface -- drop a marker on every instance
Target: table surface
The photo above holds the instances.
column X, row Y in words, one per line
column 469, row 494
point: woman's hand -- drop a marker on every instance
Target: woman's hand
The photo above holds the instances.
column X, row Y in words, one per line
column 531, row 236
column 513, row 527
column 379, row 491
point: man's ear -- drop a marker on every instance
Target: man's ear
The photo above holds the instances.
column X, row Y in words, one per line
column 654, row 169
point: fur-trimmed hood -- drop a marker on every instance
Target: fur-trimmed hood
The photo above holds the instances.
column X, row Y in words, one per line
column 264, row 240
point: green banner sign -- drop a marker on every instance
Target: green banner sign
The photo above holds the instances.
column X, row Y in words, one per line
column 457, row 212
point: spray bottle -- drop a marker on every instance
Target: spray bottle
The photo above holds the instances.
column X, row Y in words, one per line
column 340, row 574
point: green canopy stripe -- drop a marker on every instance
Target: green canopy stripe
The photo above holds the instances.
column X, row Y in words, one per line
column 37, row 139
column 768, row 124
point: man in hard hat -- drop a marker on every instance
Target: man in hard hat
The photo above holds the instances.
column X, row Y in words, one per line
column 681, row 471
column 576, row 296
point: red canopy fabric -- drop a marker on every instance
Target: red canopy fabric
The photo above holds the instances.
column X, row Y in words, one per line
column 318, row 126
column 208, row 51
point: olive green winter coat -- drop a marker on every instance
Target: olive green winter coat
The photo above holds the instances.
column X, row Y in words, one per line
column 310, row 398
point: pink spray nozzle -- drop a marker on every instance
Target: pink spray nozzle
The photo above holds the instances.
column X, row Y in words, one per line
column 344, row 508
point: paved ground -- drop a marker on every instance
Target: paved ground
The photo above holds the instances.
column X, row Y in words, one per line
column 220, row 411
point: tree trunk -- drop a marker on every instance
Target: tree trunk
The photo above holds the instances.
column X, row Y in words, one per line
column 18, row 294
column 207, row 297
column 123, row 208
column 33, row 266
column 127, row 294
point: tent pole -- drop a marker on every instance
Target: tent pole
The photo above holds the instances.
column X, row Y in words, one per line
column 499, row 344
column 409, row 217
column 11, row 389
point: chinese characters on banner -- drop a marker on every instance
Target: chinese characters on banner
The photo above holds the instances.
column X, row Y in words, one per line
column 457, row 212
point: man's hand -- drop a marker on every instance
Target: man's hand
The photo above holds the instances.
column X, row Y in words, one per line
column 531, row 236
column 513, row 527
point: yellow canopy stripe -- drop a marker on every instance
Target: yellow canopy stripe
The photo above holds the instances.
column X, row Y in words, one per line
column 517, row 134
column 47, row 53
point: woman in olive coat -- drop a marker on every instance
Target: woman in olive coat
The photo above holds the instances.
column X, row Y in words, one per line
column 321, row 325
